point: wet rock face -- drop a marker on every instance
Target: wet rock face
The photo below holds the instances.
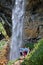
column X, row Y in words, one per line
column 33, row 21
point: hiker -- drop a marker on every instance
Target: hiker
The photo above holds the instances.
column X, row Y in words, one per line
column 21, row 51
column 26, row 51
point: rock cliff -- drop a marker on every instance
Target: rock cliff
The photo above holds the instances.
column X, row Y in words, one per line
column 33, row 21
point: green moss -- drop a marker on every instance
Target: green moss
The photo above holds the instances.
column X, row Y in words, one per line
column 2, row 43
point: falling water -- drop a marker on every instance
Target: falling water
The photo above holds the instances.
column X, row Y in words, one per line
column 17, row 23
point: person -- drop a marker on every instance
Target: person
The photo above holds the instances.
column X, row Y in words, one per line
column 21, row 51
column 26, row 51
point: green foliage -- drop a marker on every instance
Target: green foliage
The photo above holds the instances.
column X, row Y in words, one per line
column 2, row 43
column 36, row 56
column 10, row 62
column 30, row 45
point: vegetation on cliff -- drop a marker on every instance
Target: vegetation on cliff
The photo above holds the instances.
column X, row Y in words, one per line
column 36, row 56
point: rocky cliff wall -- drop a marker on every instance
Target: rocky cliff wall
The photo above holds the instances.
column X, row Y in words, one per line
column 33, row 21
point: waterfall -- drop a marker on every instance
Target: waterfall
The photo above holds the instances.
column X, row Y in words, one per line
column 17, row 29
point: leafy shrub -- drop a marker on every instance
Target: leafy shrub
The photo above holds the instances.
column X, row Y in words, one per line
column 30, row 45
column 36, row 56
